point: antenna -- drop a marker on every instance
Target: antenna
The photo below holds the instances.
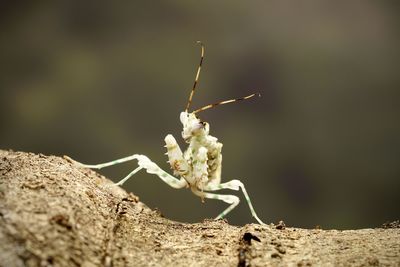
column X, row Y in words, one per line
column 226, row 102
column 197, row 76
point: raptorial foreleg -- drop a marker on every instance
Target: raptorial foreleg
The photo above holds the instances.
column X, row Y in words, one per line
column 175, row 156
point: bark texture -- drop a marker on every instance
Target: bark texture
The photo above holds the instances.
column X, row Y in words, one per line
column 53, row 213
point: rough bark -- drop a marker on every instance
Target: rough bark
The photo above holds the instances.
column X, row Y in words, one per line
column 53, row 213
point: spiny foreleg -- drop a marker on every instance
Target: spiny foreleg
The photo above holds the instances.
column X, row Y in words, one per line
column 175, row 157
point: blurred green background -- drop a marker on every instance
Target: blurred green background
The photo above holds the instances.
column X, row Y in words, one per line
column 99, row 80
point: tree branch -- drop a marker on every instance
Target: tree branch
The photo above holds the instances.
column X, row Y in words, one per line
column 53, row 213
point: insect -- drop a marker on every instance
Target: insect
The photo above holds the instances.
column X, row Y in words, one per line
column 199, row 167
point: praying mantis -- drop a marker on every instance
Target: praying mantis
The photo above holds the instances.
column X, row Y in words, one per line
column 199, row 166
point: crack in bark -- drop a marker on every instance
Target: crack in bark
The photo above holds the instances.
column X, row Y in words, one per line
column 118, row 212
column 244, row 251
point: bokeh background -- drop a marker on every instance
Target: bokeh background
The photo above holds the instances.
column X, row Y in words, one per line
column 99, row 80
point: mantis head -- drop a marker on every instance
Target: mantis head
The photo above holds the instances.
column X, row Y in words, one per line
column 193, row 126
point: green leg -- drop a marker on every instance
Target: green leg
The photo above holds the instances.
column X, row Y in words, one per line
column 129, row 176
column 234, row 185
column 111, row 163
column 230, row 199
column 144, row 163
